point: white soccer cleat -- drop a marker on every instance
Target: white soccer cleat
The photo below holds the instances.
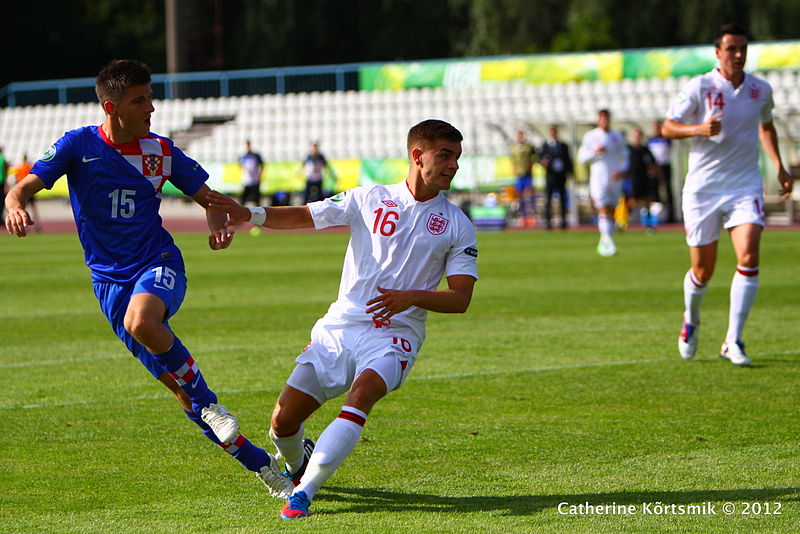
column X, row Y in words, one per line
column 224, row 425
column 277, row 483
column 734, row 353
column 688, row 340
column 606, row 247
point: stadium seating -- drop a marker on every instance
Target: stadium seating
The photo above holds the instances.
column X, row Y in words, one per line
column 373, row 124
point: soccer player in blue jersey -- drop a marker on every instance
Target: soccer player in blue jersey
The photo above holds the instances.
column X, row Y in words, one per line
column 115, row 174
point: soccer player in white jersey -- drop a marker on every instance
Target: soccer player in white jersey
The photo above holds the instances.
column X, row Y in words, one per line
column 607, row 155
column 404, row 238
column 725, row 112
column 115, row 173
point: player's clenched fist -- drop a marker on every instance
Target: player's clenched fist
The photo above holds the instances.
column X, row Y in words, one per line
column 711, row 127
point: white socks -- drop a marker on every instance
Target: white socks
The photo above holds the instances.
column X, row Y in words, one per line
column 290, row 447
column 743, row 293
column 693, row 293
column 334, row 444
column 605, row 225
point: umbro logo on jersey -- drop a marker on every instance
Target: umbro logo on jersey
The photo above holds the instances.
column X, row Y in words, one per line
column 87, row 160
column 389, row 203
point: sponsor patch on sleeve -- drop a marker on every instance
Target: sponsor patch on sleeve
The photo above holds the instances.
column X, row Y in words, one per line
column 471, row 251
column 49, row 153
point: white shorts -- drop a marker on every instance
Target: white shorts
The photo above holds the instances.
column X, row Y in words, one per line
column 705, row 214
column 605, row 193
column 339, row 351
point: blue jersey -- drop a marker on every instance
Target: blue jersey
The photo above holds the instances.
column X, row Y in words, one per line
column 115, row 191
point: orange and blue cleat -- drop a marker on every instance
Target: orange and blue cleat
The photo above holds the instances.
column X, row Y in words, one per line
column 296, row 506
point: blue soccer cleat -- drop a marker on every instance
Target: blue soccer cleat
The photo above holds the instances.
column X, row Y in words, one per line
column 296, row 506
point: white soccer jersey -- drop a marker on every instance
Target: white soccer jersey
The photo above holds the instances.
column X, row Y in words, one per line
column 728, row 161
column 603, row 166
column 396, row 242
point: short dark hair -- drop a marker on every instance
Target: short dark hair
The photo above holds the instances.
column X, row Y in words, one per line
column 732, row 28
column 604, row 111
column 428, row 131
column 118, row 76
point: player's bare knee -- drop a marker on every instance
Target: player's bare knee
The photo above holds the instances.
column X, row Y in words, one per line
column 135, row 325
column 282, row 424
column 703, row 273
column 748, row 260
column 141, row 328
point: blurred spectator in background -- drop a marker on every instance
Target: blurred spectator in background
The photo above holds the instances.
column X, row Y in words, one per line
column 644, row 175
column 252, row 166
column 3, row 185
column 15, row 175
column 607, row 155
column 661, row 148
column 554, row 157
column 315, row 165
column 523, row 156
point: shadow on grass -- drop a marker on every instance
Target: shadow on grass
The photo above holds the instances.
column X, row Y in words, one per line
column 375, row 500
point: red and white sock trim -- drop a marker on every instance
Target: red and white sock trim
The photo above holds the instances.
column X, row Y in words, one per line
column 695, row 281
column 353, row 415
column 186, row 372
column 747, row 271
column 232, row 446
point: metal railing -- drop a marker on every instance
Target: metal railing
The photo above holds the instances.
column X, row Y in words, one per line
column 194, row 85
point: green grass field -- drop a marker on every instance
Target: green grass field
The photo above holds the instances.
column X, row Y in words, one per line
column 561, row 384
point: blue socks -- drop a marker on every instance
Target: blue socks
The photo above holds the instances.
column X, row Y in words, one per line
column 181, row 366
column 250, row 456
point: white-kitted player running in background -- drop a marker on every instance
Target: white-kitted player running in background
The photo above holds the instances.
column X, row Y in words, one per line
column 607, row 155
column 725, row 112
column 404, row 238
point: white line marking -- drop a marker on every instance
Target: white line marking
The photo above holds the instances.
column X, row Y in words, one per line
column 119, row 356
column 261, row 390
column 538, row 369
column 412, row 378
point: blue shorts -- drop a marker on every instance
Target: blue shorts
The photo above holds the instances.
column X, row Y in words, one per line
column 524, row 183
column 166, row 283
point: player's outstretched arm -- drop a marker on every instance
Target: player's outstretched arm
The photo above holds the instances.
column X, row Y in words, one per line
column 220, row 235
column 18, row 219
column 454, row 299
column 769, row 140
column 675, row 130
column 277, row 218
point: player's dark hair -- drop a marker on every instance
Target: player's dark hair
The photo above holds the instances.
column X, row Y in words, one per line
column 731, row 28
column 428, row 131
column 605, row 112
column 118, row 76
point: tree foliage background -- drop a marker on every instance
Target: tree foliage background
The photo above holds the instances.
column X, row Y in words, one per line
column 57, row 39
